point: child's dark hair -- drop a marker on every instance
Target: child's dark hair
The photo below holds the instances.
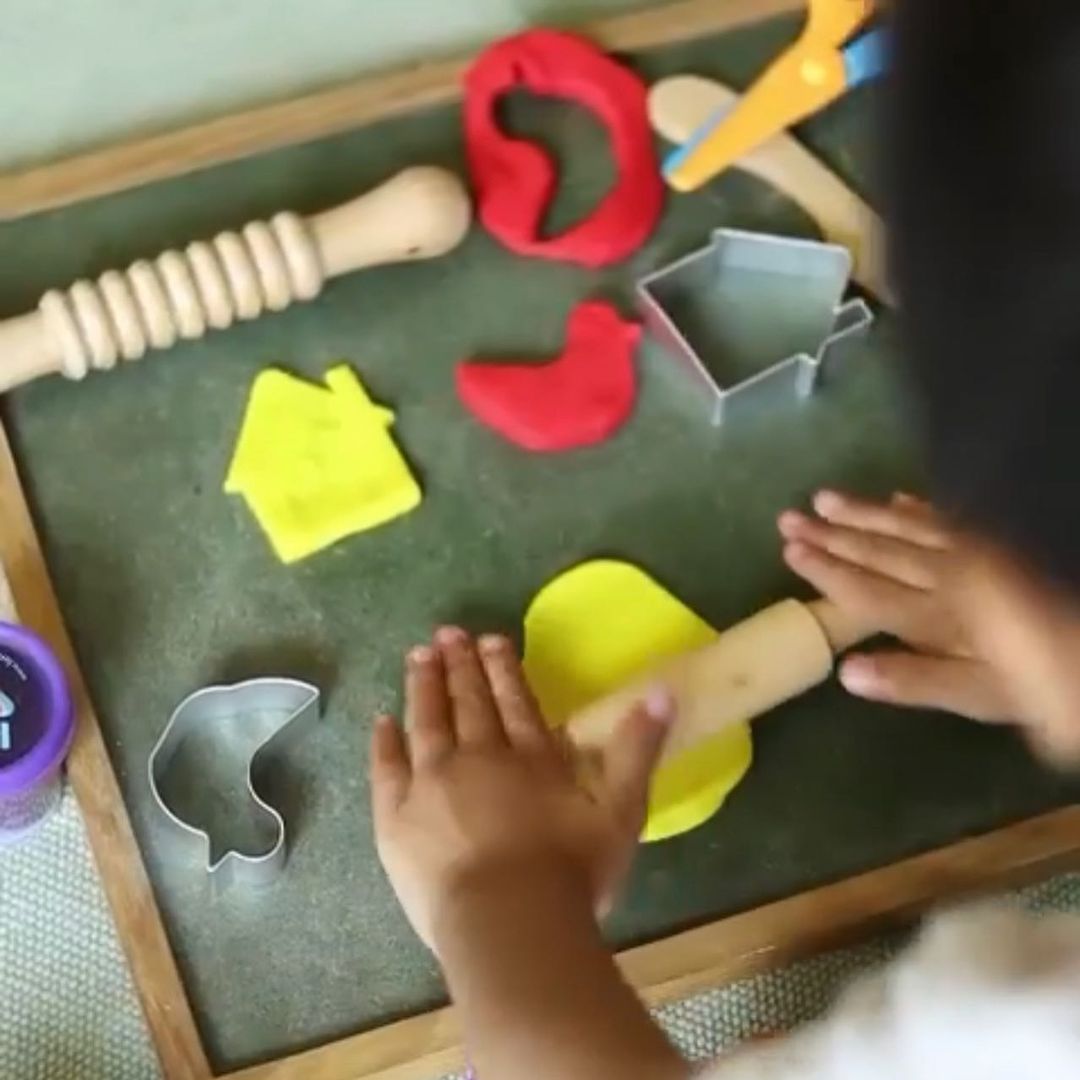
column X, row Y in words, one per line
column 985, row 241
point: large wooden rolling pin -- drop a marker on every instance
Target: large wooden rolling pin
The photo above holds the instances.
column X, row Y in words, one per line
column 266, row 266
column 754, row 666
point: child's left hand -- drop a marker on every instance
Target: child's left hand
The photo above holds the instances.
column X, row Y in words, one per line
column 479, row 787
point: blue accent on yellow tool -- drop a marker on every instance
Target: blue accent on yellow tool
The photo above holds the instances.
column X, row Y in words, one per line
column 820, row 67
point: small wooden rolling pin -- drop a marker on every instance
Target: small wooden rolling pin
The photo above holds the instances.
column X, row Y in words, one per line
column 421, row 213
column 754, row 666
column 679, row 105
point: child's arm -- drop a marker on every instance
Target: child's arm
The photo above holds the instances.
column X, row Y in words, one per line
column 502, row 860
column 536, row 988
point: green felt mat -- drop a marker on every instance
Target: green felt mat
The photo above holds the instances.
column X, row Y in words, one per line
column 168, row 585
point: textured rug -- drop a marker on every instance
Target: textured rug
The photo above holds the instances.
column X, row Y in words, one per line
column 68, row 1010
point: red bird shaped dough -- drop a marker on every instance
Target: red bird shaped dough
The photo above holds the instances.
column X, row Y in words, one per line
column 580, row 398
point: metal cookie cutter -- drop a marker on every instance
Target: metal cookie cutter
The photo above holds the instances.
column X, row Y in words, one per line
column 256, row 714
column 756, row 318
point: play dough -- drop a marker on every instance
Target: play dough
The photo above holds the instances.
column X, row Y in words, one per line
column 515, row 180
column 577, row 399
column 603, row 624
column 318, row 464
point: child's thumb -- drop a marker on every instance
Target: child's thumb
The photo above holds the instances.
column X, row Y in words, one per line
column 635, row 749
column 964, row 687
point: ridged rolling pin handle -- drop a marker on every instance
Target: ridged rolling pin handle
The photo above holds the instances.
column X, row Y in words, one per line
column 421, row 213
column 761, row 662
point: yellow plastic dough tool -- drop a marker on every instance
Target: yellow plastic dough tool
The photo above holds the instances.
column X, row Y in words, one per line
column 816, row 70
column 598, row 627
column 318, row 464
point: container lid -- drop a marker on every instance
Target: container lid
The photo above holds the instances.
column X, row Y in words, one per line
column 37, row 716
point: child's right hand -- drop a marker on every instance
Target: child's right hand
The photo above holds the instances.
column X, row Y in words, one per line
column 478, row 788
column 987, row 639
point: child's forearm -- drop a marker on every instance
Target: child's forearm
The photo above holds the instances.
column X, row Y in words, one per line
column 537, row 990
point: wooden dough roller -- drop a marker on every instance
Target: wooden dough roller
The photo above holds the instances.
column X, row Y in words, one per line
column 765, row 660
column 679, row 105
column 418, row 214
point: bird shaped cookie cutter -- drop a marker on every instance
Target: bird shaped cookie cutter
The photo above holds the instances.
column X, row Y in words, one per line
column 757, row 319
column 263, row 711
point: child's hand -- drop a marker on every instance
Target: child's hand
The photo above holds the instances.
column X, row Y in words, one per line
column 479, row 787
column 989, row 640
column 898, row 568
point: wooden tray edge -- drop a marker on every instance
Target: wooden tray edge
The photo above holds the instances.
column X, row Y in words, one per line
column 119, row 862
column 424, row 1046
column 339, row 108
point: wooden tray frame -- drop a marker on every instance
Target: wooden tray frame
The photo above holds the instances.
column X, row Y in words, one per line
column 428, row 1045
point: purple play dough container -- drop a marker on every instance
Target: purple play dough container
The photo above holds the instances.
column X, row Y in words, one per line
column 37, row 723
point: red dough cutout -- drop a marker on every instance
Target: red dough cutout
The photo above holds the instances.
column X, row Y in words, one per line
column 579, row 398
column 514, row 179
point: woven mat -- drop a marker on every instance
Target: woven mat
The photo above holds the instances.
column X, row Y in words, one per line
column 68, row 1008
column 67, row 1005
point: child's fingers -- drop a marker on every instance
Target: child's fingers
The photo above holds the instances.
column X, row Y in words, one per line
column 889, row 605
column 427, row 707
column 913, row 504
column 965, row 687
column 475, row 717
column 633, row 752
column 389, row 768
column 900, row 560
column 896, row 519
column 514, row 698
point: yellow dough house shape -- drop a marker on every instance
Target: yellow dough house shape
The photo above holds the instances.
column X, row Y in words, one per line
column 316, row 464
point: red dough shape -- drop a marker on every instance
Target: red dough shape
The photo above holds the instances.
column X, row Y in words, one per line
column 515, row 180
column 578, row 399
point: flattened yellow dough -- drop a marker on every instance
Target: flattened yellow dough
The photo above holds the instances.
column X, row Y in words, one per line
column 592, row 630
column 316, row 464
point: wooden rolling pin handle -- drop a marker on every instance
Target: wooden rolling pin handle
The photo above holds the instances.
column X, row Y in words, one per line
column 754, row 666
column 7, row 598
column 842, row 629
column 421, row 213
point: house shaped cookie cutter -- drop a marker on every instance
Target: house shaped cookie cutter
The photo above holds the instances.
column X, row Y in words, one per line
column 755, row 318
